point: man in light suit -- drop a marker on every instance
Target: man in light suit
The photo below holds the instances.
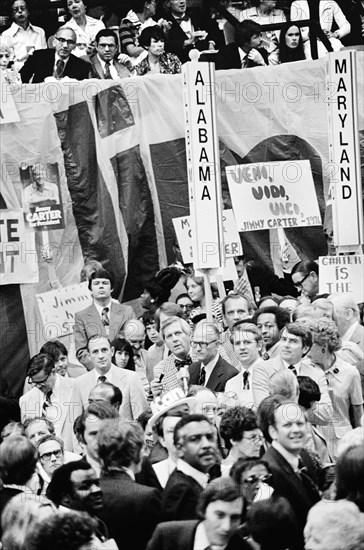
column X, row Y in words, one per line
column 104, row 64
column 103, row 318
column 295, row 343
column 101, row 352
column 59, row 62
column 221, row 508
column 210, row 369
column 50, row 397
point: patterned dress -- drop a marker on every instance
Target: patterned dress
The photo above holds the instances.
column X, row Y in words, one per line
column 169, row 64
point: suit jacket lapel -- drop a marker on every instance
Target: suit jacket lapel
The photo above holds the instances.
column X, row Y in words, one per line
column 98, row 67
column 216, row 374
column 293, row 478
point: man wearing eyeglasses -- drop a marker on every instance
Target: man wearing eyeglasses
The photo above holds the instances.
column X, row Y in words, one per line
column 305, row 278
column 57, row 63
column 210, row 369
column 104, row 64
column 50, row 456
column 50, row 396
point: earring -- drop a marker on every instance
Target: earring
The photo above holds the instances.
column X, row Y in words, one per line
column 152, row 301
column 323, row 350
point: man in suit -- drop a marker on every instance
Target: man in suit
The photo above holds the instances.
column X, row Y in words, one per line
column 104, row 64
column 104, row 317
column 295, row 343
column 134, row 400
column 58, row 63
column 221, row 509
column 50, row 396
column 18, row 460
column 247, row 51
column 76, row 486
column 195, row 440
column 248, row 344
column 184, row 32
column 287, row 427
column 131, row 511
column 210, row 370
column 270, row 321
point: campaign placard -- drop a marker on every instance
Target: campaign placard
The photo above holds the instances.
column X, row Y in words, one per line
column 58, row 307
column 41, row 196
column 339, row 274
column 270, row 195
column 232, row 243
column 18, row 255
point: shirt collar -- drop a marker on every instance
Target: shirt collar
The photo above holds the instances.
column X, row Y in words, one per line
column 100, row 308
column 107, row 375
column 129, row 472
column 292, row 459
column 14, row 28
column 103, row 63
column 189, row 470
column 201, row 540
column 297, row 366
column 209, row 367
column 96, row 465
column 56, row 58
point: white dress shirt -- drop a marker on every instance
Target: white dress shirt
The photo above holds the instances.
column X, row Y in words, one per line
column 113, row 71
column 189, row 470
column 24, row 41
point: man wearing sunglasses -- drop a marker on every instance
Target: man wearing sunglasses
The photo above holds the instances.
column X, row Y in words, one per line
column 210, row 369
column 57, row 63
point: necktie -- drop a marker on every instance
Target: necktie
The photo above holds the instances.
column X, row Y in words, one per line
column 182, row 363
column 104, row 317
column 293, row 369
column 101, row 379
column 107, row 72
column 202, row 378
column 47, row 402
column 58, row 73
column 246, row 385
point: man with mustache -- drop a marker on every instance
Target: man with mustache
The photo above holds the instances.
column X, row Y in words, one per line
column 195, row 440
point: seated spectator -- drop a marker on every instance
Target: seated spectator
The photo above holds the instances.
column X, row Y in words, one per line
column 8, row 71
column 66, row 531
column 185, row 30
column 247, row 50
column 104, row 63
column 252, row 475
column 131, row 510
column 152, row 39
column 19, row 518
column 266, row 13
column 58, row 63
column 349, row 476
column 85, row 27
column 123, row 356
column 273, row 525
column 290, row 44
column 128, row 33
column 334, row 525
column 24, row 37
column 240, row 432
column 329, row 12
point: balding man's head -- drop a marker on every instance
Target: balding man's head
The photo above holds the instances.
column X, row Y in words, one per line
column 134, row 332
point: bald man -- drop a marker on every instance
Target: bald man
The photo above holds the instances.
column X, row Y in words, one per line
column 134, row 332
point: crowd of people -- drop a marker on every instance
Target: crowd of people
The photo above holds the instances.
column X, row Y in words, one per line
column 235, row 427
column 154, row 36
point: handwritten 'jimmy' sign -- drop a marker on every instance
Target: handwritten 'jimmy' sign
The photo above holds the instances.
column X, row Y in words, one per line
column 273, row 194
